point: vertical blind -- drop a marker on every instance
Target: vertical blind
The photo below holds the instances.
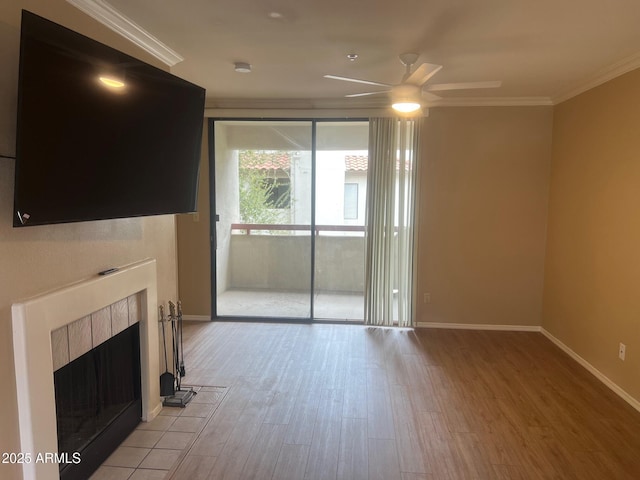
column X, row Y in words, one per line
column 390, row 221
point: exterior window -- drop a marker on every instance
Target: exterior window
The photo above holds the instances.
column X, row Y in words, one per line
column 350, row 201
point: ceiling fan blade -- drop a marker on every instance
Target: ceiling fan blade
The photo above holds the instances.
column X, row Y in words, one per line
column 423, row 73
column 438, row 87
column 355, row 80
column 366, row 93
column 431, row 97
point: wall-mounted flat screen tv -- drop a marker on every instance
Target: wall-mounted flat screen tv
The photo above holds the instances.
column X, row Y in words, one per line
column 100, row 134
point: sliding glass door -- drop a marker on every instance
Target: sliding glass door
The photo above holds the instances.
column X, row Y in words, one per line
column 340, row 193
column 263, row 198
column 289, row 212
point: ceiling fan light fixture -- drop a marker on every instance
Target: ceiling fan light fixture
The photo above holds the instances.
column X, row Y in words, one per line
column 406, row 106
column 405, row 98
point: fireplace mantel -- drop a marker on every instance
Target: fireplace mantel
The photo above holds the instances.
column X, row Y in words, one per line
column 34, row 320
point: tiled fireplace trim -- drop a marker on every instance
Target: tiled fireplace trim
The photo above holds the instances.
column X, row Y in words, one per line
column 34, row 319
column 77, row 338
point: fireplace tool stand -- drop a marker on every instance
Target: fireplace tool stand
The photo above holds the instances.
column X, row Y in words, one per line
column 181, row 397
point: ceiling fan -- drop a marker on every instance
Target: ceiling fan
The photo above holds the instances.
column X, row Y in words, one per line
column 408, row 94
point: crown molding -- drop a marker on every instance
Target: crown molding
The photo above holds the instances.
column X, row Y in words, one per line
column 492, row 102
column 110, row 17
column 332, row 113
column 601, row 76
column 332, row 107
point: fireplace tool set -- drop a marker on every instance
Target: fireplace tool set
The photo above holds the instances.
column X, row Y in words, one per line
column 171, row 381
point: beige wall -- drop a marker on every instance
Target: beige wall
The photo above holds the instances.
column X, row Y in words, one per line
column 484, row 178
column 592, row 269
column 194, row 247
column 36, row 259
column 483, row 208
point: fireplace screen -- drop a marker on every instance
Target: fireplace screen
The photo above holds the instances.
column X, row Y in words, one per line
column 94, row 391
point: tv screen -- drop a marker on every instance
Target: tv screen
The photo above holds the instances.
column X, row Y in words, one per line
column 100, row 134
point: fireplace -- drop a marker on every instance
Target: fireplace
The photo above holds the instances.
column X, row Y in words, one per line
column 44, row 323
column 98, row 402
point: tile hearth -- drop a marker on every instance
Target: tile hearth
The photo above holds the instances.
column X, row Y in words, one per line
column 155, row 449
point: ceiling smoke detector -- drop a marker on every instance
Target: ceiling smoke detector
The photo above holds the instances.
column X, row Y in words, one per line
column 242, row 67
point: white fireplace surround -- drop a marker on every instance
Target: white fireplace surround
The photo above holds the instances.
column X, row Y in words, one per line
column 34, row 320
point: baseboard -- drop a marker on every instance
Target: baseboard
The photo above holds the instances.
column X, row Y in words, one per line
column 197, row 318
column 472, row 326
column 594, row 371
column 153, row 413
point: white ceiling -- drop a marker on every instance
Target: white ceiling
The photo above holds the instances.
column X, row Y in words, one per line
column 542, row 50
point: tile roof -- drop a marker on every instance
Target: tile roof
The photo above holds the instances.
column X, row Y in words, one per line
column 357, row 163
column 360, row 163
column 282, row 160
column 265, row 160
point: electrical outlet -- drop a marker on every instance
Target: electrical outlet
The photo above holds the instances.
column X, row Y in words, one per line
column 622, row 351
column 427, row 298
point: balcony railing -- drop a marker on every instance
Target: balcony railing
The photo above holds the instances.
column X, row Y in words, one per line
column 281, row 260
column 249, row 227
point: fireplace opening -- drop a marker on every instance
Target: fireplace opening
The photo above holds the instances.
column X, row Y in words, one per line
column 98, row 402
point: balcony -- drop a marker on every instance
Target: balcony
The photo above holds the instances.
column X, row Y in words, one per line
column 268, row 271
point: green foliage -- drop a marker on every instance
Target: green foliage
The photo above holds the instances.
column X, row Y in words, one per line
column 262, row 196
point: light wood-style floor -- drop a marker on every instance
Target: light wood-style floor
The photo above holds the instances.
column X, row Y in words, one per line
column 351, row 402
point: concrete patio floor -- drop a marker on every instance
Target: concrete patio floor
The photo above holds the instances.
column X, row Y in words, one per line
column 268, row 303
